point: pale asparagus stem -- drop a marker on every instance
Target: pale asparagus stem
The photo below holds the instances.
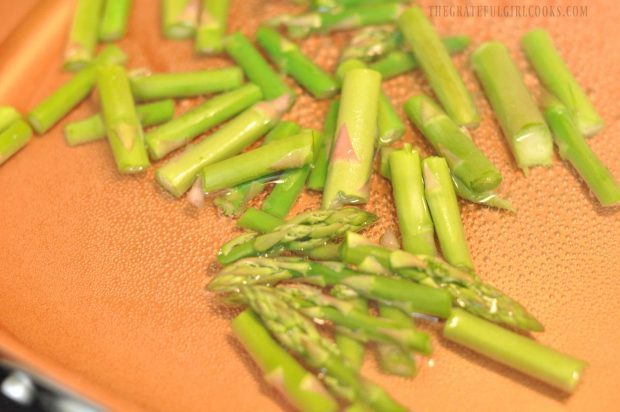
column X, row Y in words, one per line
column 8, row 116
column 212, row 26
column 522, row 123
column 489, row 198
column 514, row 350
column 438, row 67
column 121, row 121
column 444, row 209
column 371, row 43
column 13, row 138
column 354, row 143
column 180, row 131
column 113, row 25
column 179, row 18
column 573, row 147
column 392, row 358
column 318, row 173
column 414, row 219
column 280, row 369
column 178, row 174
column 558, row 79
column 83, row 35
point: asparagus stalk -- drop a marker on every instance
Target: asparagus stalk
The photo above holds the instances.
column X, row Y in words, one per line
column 179, row 18
column 259, row 221
column 291, row 153
column 121, row 120
column 371, row 43
column 318, row 174
column 414, row 219
column 83, row 35
column 444, row 208
column 183, row 129
column 488, row 198
column 113, row 25
column 327, row 5
column 92, row 128
column 467, row 289
column 573, row 147
column 212, row 26
column 256, row 68
column 56, row 106
column 467, row 162
column 185, row 84
column 281, row 369
column 350, row 347
column 8, row 116
column 351, row 158
column 283, row 196
column 234, row 201
column 392, row 358
column 519, row 352
column 438, row 67
column 522, row 123
column 178, row 174
column 558, row 79
column 13, row 138
column 291, row 60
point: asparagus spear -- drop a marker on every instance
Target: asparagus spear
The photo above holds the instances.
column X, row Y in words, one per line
column 350, row 346
column 291, row 60
column 327, row 5
column 8, row 116
column 488, row 198
column 392, row 358
column 56, row 106
column 398, row 62
column 371, row 43
column 13, row 138
column 83, row 35
column 558, row 79
column 212, row 26
column 444, row 208
column 467, row 289
column 178, row 174
column 414, row 219
column 185, row 84
column 92, row 128
column 291, row 153
column 179, row 18
column 113, row 25
column 467, row 162
column 573, row 147
column 511, row 349
column 318, row 174
column 351, row 158
column 522, row 123
column 256, row 68
column 436, row 64
column 183, row 129
column 121, row 120
column 259, row 221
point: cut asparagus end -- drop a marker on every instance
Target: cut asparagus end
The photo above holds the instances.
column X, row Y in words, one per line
column 533, row 147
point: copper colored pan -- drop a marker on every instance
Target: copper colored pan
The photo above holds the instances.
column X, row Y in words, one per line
column 102, row 276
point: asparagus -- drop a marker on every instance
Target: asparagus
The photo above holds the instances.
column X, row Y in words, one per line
column 56, row 106
column 13, row 138
column 234, row 201
column 558, row 79
column 92, row 128
column 467, row 162
column 398, row 62
column 444, row 208
column 185, row 84
column 522, row 123
column 291, row 153
column 259, row 221
column 350, row 346
column 179, row 18
column 212, row 26
column 8, row 116
column 488, row 198
column 371, row 43
column 318, row 174
column 414, row 220
column 183, row 129
column 302, row 232
column 281, row 370
column 467, row 289
column 178, row 174
column 256, row 68
column 121, row 120
column 342, row 19
column 291, row 60
column 573, row 147
column 351, row 159
column 392, row 358
column 83, row 35
column 327, row 5
column 519, row 352
column 436, row 64
column 113, row 25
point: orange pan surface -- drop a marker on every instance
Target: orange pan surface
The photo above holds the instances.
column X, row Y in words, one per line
column 102, row 276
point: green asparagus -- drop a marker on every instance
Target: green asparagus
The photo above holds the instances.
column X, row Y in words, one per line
column 212, row 26
column 113, row 25
column 83, row 35
column 393, row 359
column 8, row 116
column 318, row 173
column 14, row 138
column 179, row 18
